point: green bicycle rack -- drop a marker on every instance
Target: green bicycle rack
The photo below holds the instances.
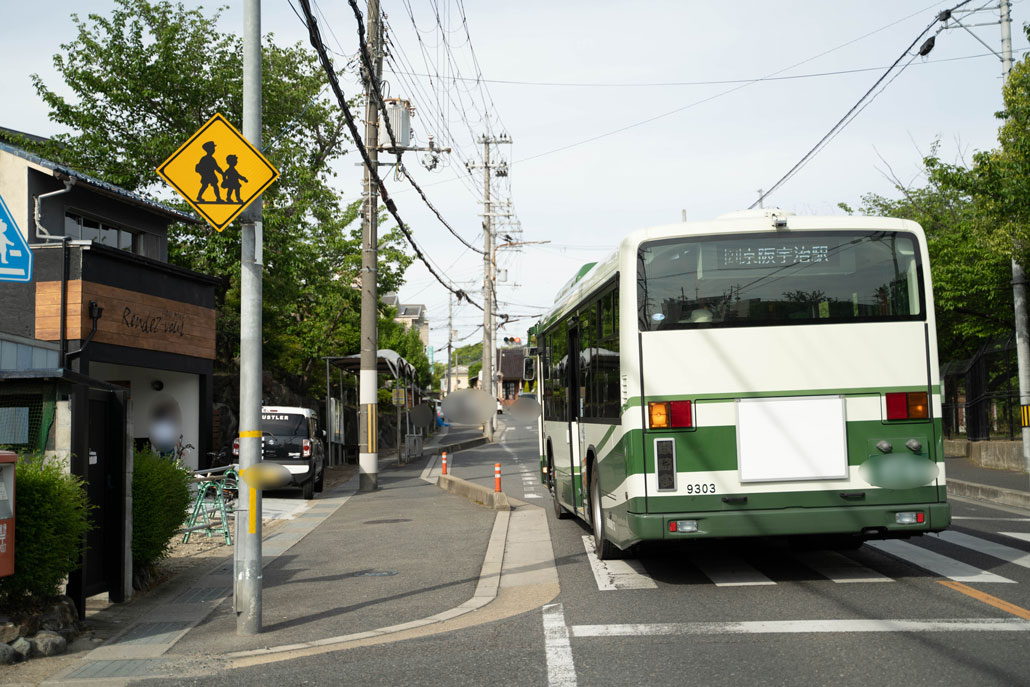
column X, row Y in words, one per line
column 221, row 488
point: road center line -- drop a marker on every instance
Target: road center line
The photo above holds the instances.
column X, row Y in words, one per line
column 987, row 599
column 561, row 671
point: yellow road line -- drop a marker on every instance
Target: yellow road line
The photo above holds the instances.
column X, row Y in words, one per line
column 987, row 599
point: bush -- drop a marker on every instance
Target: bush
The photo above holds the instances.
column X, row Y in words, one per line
column 52, row 518
column 160, row 504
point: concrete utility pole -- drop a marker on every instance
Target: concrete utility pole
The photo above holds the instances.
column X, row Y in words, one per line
column 1018, row 273
column 368, row 384
column 450, row 337
column 487, row 382
column 247, row 566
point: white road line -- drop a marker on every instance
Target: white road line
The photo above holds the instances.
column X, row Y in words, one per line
column 561, row 671
column 531, row 496
column 1022, row 536
column 428, row 470
column 1005, row 553
column 838, row 568
column 730, row 571
column 611, row 575
column 936, row 563
column 976, row 517
column 804, row 627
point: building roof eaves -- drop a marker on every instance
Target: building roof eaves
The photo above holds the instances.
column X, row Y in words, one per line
column 101, row 185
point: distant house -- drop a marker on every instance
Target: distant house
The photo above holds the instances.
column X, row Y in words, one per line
column 103, row 301
column 459, row 379
column 512, row 368
column 411, row 316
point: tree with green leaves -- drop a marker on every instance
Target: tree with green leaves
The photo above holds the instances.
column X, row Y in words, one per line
column 144, row 78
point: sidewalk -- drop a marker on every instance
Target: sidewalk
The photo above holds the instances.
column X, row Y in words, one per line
column 351, row 569
column 1003, row 487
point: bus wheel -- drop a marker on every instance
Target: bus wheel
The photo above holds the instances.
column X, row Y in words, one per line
column 552, row 483
column 604, row 549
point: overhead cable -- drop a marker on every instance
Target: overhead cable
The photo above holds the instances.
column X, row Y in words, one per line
column 848, row 116
column 319, row 46
column 370, row 71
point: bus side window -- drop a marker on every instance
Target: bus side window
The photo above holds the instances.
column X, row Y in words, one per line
column 586, row 396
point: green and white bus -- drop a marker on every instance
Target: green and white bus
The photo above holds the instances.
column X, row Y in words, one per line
column 761, row 374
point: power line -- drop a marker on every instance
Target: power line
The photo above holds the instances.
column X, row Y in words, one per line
column 855, row 109
column 319, row 46
column 377, row 90
column 717, row 82
column 767, row 77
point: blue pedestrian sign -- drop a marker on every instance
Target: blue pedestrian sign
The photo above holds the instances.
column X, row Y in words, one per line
column 15, row 256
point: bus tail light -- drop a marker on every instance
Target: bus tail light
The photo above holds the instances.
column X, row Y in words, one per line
column 910, row 518
column 681, row 414
column 236, row 446
column 683, row 525
column 306, row 447
column 669, row 414
column 658, row 415
column 912, row 405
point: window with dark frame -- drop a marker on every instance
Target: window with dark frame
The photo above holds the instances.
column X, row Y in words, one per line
column 84, row 228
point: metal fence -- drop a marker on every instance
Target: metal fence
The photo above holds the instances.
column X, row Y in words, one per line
column 981, row 394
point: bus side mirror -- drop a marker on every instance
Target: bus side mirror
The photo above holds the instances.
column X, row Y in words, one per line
column 529, row 371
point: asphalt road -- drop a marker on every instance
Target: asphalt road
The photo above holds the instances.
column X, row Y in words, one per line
column 931, row 611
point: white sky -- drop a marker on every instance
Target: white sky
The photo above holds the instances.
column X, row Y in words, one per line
column 707, row 159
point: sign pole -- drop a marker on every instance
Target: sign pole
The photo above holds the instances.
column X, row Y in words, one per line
column 248, row 516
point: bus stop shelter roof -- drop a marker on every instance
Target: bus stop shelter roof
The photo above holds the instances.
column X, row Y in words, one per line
column 387, row 361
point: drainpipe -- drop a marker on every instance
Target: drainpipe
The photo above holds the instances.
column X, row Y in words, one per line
column 95, row 312
column 42, row 233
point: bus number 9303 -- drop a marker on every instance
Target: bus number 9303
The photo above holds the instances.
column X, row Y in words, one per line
column 701, row 488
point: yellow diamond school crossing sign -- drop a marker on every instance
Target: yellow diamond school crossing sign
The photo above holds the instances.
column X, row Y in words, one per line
column 218, row 172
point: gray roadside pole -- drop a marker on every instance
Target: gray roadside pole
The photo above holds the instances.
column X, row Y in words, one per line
column 1018, row 273
column 247, row 596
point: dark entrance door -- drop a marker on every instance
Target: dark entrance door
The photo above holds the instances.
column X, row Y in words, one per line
column 99, row 435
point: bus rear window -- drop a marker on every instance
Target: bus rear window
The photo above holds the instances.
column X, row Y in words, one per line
column 781, row 279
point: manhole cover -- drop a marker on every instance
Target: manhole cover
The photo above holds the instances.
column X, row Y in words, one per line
column 377, row 573
column 385, row 522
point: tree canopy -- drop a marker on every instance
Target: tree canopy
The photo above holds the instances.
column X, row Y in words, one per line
column 977, row 220
column 145, row 77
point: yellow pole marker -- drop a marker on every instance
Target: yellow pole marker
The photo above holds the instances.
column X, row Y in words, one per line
column 251, row 434
column 987, row 599
column 250, row 476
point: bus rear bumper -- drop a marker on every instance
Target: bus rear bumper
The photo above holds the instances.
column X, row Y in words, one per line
column 872, row 522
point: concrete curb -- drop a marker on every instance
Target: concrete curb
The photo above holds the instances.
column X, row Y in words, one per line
column 983, row 492
column 461, row 445
column 475, row 493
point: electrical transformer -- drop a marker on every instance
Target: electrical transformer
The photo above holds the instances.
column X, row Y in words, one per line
column 398, row 113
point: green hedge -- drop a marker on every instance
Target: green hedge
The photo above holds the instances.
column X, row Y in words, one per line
column 51, row 521
column 160, row 504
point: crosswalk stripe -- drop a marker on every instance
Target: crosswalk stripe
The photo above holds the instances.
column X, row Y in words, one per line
column 803, row 627
column 936, row 563
column 839, row 568
column 609, row 575
column 1022, row 536
column 730, row 571
column 1005, row 553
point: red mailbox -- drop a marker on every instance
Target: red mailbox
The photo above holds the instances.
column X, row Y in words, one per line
column 7, row 462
